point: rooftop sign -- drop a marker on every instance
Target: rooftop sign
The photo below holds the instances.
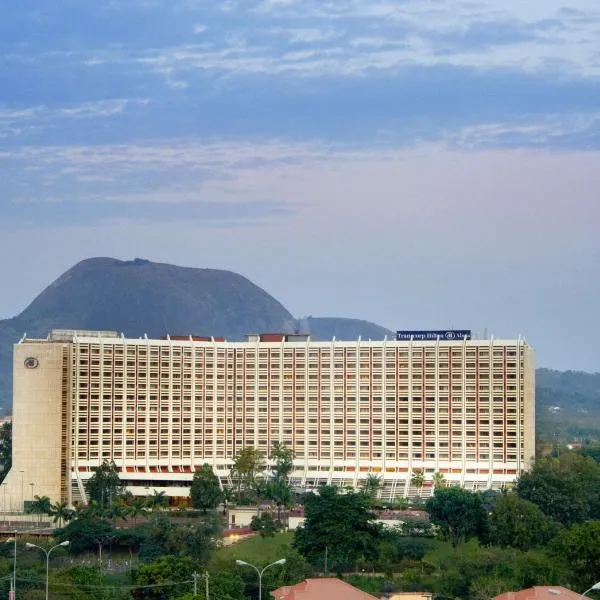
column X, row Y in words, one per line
column 447, row 335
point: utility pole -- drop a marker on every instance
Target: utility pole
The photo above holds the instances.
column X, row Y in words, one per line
column 206, row 576
column 195, row 576
column 325, row 560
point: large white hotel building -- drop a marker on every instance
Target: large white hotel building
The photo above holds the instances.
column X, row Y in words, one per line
column 161, row 408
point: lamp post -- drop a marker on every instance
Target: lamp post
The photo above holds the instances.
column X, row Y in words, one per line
column 4, row 500
column 32, row 485
column 240, row 563
column 13, row 583
column 596, row 586
column 47, row 553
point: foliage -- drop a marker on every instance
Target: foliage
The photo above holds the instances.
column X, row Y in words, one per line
column 265, row 524
column 206, row 489
column 591, row 451
column 170, row 573
column 41, row 505
column 246, row 466
column 157, row 500
column 339, row 523
column 459, row 514
column 579, row 546
column 371, row 486
column 61, row 513
column 198, row 540
column 5, row 449
column 519, row 523
column 439, row 480
column 84, row 532
column 224, row 585
column 417, row 479
column 565, row 488
column 104, row 486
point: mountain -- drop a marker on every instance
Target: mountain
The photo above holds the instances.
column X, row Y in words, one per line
column 568, row 406
column 326, row 328
column 141, row 297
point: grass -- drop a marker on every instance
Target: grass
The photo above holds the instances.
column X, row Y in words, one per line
column 258, row 551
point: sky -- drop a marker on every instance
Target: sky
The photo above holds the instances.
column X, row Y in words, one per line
column 421, row 164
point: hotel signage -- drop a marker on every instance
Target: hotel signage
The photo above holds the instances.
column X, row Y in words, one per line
column 443, row 334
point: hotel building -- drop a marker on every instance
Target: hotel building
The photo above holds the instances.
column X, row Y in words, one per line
column 162, row 407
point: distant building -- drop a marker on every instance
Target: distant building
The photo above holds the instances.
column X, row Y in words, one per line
column 326, row 588
column 161, row 408
column 541, row 592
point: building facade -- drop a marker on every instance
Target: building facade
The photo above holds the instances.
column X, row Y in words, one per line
column 161, row 408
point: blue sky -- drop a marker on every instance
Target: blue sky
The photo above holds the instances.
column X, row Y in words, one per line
column 416, row 163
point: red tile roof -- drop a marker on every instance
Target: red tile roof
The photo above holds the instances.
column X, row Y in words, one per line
column 540, row 592
column 326, row 588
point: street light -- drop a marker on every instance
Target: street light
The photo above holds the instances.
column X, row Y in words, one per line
column 596, row 586
column 13, row 583
column 32, row 485
column 240, row 563
column 47, row 553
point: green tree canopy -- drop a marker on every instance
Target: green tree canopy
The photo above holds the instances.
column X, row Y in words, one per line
column 519, row 523
column 104, row 486
column 246, row 466
column 566, row 488
column 164, row 578
column 579, row 546
column 206, row 489
column 340, row 522
column 459, row 514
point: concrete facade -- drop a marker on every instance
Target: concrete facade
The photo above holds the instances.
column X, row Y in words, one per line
column 160, row 408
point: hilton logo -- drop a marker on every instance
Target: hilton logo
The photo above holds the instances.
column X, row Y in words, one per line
column 31, row 363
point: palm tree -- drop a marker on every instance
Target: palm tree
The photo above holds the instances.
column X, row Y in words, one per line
column 138, row 508
column 61, row 513
column 40, row 505
column 371, row 486
column 438, row 480
column 417, row 479
column 158, row 500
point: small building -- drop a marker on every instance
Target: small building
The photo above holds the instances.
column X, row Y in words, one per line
column 325, row 588
column 541, row 592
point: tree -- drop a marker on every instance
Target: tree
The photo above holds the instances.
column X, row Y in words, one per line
column 565, row 488
column 5, row 449
column 159, row 579
column 246, row 466
column 438, row 480
column 340, row 524
column 157, row 500
column 206, row 489
column 83, row 532
column 224, row 585
column 104, row 486
column 264, row 524
column 284, row 461
column 41, row 505
column 417, row 479
column 519, row 523
column 61, row 513
column 371, row 486
column 579, row 546
column 459, row 514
